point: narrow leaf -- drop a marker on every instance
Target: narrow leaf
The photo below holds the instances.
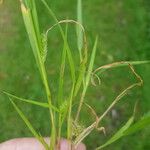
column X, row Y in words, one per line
column 118, row 135
column 27, row 16
column 45, row 105
column 144, row 122
column 36, row 23
column 29, row 125
column 87, row 78
column 91, row 64
column 79, row 30
column 80, row 77
column 62, row 71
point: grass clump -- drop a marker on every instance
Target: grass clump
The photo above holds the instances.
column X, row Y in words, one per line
column 60, row 112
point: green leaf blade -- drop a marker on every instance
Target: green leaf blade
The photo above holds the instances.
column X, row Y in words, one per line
column 29, row 125
column 118, row 135
column 144, row 122
column 91, row 64
column 41, row 104
column 79, row 30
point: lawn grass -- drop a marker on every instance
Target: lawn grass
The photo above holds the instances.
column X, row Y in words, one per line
column 122, row 27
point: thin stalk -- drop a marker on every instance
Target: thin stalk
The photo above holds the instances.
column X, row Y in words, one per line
column 87, row 79
column 80, row 105
column 69, row 120
column 61, row 82
column 48, row 93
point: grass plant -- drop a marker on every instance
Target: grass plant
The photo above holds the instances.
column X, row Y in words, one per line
column 60, row 109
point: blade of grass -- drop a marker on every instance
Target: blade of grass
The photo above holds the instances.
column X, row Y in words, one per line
column 118, row 134
column 45, row 105
column 80, row 44
column 29, row 125
column 79, row 31
column 60, row 88
column 30, row 20
column 80, row 78
column 128, row 129
column 36, row 24
column 30, row 29
column 87, row 78
column 61, row 76
column 91, row 64
column 144, row 122
column 69, row 123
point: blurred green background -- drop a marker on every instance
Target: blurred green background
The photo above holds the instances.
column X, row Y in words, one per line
column 124, row 31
